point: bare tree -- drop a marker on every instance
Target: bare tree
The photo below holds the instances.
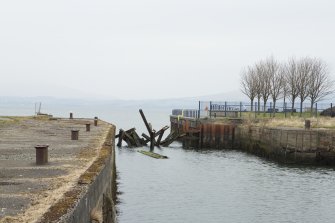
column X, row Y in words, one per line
column 258, row 89
column 265, row 82
column 249, row 84
column 291, row 78
column 285, row 85
column 276, row 75
column 320, row 83
column 303, row 79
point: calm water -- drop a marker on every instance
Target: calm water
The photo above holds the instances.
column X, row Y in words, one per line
column 220, row 186
column 208, row 186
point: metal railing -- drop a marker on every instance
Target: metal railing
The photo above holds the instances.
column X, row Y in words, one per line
column 215, row 109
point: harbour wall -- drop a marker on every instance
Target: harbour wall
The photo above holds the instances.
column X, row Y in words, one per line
column 287, row 145
column 101, row 192
column 93, row 198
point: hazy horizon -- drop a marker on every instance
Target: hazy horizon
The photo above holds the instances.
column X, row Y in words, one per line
column 152, row 49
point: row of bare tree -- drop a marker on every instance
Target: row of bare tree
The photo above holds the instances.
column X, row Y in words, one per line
column 304, row 78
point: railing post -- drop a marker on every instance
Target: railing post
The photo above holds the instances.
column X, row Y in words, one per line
column 210, row 109
column 331, row 110
column 241, row 109
column 199, row 110
column 255, row 109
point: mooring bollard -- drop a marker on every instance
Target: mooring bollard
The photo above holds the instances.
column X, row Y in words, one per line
column 41, row 154
column 88, row 127
column 307, row 124
column 74, row 134
column 71, row 115
column 95, row 121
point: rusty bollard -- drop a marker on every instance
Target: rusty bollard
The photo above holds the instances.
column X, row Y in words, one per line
column 88, row 127
column 307, row 124
column 95, row 121
column 41, row 154
column 71, row 115
column 74, row 134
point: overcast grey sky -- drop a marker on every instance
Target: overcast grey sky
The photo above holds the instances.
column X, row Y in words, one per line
column 139, row 49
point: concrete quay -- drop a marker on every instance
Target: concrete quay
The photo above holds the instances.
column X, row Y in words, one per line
column 77, row 182
column 284, row 144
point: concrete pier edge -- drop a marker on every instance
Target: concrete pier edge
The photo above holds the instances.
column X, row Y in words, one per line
column 96, row 183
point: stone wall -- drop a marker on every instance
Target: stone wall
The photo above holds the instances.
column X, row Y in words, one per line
column 288, row 145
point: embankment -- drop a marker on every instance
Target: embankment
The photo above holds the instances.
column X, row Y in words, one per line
column 287, row 145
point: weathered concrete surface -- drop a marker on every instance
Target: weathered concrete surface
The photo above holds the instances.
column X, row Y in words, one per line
column 27, row 191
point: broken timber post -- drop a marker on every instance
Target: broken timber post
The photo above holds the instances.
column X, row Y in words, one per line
column 145, row 122
column 152, row 140
column 170, row 138
column 160, row 134
column 136, row 138
column 146, row 137
column 121, row 136
column 151, row 132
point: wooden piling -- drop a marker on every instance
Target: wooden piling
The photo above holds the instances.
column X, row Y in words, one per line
column 121, row 136
column 152, row 140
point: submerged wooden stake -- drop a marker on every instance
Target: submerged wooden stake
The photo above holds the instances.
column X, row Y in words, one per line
column 153, row 155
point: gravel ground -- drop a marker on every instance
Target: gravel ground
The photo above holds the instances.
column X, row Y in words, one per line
column 26, row 189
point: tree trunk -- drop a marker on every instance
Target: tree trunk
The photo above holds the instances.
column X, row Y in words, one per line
column 264, row 108
column 312, row 104
column 274, row 108
column 293, row 100
column 259, row 105
column 252, row 104
column 301, row 108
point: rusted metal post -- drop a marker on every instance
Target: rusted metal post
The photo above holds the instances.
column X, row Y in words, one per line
column 307, row 124
column 88, row 127
column 95, row 121
column 74, row 134
column 71, row 115
column 41, row 154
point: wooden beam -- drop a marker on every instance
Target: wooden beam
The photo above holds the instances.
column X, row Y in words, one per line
column 121, row 136
column 145, row 122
